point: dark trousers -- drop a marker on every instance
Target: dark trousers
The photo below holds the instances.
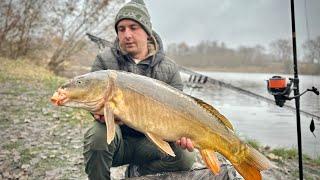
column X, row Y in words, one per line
column 99, row 156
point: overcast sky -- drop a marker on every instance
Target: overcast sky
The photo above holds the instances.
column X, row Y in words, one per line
column 235, row 22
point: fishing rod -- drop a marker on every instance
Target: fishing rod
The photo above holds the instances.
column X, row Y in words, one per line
column 296, row 89
column 281, row 89
column 197, row 80
column 200, row 79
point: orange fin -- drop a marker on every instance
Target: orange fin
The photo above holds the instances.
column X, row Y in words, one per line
column 163, row 145
column 248, row 171
column 210, row 158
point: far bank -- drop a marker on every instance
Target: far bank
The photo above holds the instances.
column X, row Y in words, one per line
column 303, row 68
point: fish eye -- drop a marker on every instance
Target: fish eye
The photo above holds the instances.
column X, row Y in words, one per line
column 79, row 82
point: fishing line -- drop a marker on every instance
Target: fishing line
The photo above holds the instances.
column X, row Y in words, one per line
column 316, row 104
column 307, row 20
column 191, row 91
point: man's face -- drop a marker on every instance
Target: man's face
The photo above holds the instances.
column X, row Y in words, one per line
column 132, row 37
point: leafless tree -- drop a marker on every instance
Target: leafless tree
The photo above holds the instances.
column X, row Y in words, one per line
column 71, row 20
column 215, row 54
column 281, row 49
column 312, row 50
column 18, row 24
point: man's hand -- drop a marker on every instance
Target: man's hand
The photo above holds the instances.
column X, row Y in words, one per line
column 185, row 143
column 99, row 117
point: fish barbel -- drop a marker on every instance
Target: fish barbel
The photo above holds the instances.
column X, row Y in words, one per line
column 164, row 114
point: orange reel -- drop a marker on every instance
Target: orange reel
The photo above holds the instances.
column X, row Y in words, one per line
column 280, row 88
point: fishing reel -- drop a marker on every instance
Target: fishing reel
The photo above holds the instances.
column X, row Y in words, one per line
column 281, row 87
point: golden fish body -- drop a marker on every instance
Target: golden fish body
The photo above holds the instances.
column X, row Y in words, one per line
column 156, row 107
column 162, row 113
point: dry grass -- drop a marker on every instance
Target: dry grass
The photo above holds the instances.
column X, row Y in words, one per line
column 26, row 70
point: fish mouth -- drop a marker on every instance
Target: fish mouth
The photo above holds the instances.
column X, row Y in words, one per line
column 59, row 97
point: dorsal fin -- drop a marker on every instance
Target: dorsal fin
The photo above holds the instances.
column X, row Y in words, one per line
column 214, row 112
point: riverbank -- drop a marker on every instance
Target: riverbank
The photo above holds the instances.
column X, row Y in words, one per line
column 40, row 141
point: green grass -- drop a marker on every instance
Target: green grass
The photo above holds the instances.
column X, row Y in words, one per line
column 48, row 164
column 26, row 156
column 53, row 82
column 18, row 90
column 295, row 173
column 76, row 117
column 4, row 122
column 2, row 77
column 316, row 161
column 254, row 143
column 26, row 71
column 286, row 153
column 11, row 145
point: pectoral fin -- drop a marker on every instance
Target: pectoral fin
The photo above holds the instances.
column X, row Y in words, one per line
column 163, row 145
column 210, row 158
column 110, row 124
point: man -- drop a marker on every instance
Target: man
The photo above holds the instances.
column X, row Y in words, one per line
column 137, row 49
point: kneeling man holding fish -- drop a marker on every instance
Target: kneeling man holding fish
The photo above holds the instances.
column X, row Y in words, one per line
column 137, row 49
column 142, row 116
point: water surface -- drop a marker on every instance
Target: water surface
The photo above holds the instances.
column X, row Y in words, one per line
column 256, row 119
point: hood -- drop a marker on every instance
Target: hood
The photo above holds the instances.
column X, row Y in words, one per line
column 154, row 45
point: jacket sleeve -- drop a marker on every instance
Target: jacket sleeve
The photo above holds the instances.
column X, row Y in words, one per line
column 98, row 64
column 103, row 61
column 176, row 81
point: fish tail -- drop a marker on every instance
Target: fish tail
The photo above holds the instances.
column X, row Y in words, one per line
column 247, row 171
column 252, row 165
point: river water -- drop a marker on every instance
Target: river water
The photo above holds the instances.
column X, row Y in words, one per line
column 259, row 120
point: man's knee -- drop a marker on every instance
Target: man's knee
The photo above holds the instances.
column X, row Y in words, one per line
column 97, row 164
column 95, row 138
column 185, row 160
column 98, row 154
